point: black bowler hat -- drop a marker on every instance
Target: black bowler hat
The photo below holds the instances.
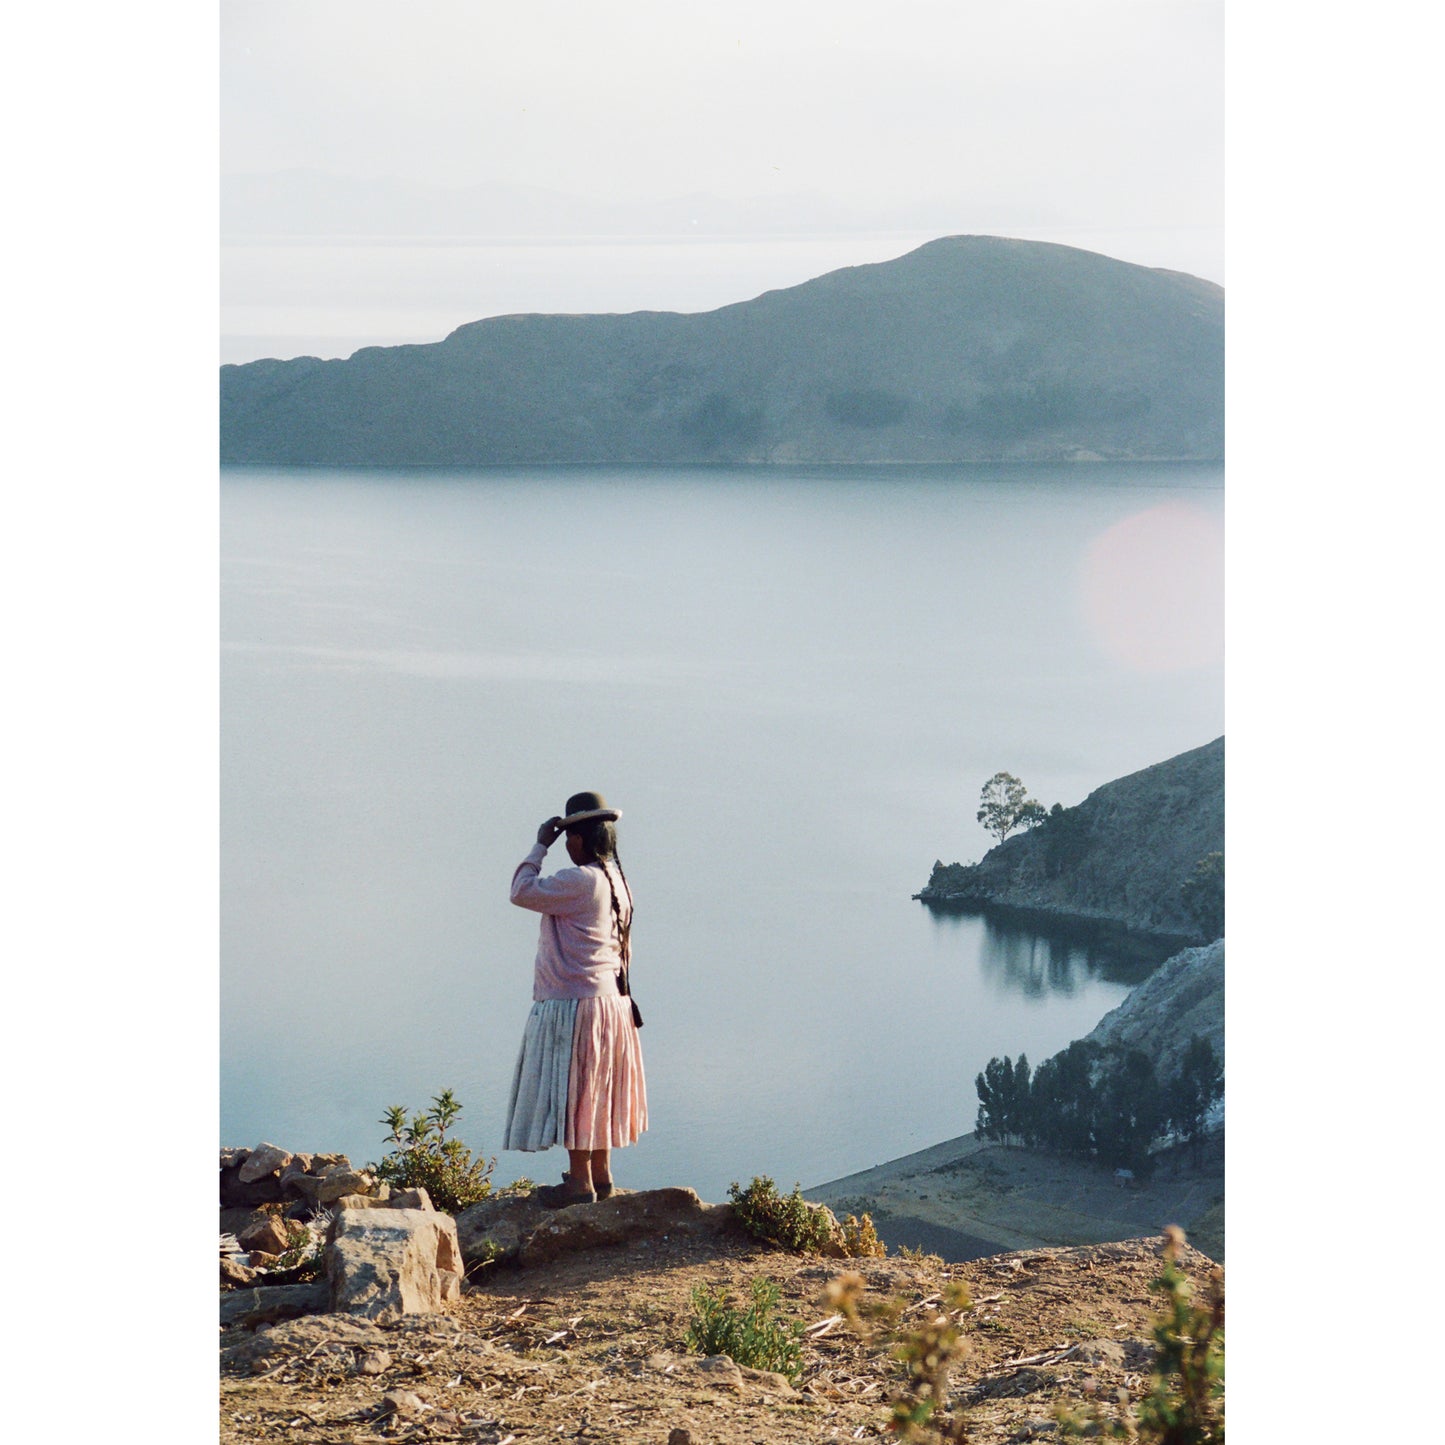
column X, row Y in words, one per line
column 584, row 807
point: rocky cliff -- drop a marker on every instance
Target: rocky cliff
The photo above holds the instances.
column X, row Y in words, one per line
column 970, row 348
column 1183, row 997
column 1121, row 856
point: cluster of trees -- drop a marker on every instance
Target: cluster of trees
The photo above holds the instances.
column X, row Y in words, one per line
column 1105, row 1104
column 1005, row 806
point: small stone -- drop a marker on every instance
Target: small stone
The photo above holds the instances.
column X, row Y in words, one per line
column 1101, row 1352
column 264, row 1159
column 336, row 1183
column 266, row 1235
column 680, row 1437
column 402, row 1402
column 234, row 1272
column 411, row 1199
column 373, row 1362
column 262, row 1259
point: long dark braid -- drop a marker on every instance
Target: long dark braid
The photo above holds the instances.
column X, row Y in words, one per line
column 600, row 838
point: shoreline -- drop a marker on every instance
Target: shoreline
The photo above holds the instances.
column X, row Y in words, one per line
column 967, row 1198
column 892, row 1170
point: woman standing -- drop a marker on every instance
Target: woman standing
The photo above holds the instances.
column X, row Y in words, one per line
column 579, row 1079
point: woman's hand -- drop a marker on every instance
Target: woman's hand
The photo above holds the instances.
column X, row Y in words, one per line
column 547, row 833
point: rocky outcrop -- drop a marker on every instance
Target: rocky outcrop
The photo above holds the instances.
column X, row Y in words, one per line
column 1184, row 997
column 269, row 1174
column 517, row 1231
column 1121, row 857
column 386, row 1261
column 971, row 348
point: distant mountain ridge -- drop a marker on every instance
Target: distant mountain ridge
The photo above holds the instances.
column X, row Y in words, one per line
column 970, row 348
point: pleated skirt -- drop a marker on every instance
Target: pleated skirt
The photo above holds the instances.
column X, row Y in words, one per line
column 579, row 1080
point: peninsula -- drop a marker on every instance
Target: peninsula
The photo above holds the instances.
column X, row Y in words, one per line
column 968, row 349
column 1128, row 858
column 1124, row 857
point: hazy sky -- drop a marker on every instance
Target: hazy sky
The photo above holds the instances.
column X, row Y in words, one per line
column 1105, row 115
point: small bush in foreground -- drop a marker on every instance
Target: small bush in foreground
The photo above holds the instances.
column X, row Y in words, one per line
column 1184, row 1404
column 928, row 1351
column 750, row 1336
column 426, row 1159
column 792, row 1223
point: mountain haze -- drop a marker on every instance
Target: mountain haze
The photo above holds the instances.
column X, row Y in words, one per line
column 971, row 348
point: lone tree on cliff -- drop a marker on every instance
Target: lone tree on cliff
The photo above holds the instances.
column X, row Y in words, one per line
column 1005, row 805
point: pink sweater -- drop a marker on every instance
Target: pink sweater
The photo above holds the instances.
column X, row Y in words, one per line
column 578, row 954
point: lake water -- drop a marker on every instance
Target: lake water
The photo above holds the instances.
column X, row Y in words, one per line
column 793, row 683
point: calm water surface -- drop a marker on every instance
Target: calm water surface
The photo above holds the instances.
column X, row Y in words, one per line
column 793, row 684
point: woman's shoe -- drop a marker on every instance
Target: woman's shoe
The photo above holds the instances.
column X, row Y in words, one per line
column 604, row 1191
column 559, row 1196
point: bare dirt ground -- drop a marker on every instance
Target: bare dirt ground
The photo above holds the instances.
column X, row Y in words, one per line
column 591, row 1348
column 968, row 1198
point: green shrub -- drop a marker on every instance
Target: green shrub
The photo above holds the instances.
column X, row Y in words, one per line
column 792, row 1223
column 750, row 1336
column 426, row 1159
column 1184, row 1404
column 305, row 1256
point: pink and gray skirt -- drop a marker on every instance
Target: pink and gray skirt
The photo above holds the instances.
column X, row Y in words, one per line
column 579, row 1080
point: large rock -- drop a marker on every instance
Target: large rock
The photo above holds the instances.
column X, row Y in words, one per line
column 382, row 1263
column 617, row 1220
column 515, row 1230
column 492, row 1230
